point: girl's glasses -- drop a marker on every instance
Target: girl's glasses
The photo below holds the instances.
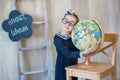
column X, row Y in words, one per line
column 66, row 21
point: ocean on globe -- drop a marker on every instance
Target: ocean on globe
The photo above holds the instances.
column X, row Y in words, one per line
column 85, row 34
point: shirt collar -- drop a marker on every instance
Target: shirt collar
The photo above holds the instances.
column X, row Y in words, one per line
column 62, row 36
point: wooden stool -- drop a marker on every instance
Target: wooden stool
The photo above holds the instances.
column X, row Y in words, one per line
column 100, row 70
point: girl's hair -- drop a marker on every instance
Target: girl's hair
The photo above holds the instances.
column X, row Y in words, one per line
column 71, row 12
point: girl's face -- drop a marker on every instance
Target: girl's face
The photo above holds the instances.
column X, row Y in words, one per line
column 68, row 23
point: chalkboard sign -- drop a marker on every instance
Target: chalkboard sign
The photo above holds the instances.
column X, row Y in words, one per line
column 18, row 25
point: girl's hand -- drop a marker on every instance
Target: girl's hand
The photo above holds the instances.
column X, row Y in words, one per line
column 90, row 50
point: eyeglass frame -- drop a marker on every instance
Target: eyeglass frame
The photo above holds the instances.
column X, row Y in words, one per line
column 68, row 22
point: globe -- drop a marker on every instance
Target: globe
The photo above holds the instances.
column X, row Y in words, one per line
column 86, row 33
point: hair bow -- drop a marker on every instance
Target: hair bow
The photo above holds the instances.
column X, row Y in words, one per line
column 71, row 11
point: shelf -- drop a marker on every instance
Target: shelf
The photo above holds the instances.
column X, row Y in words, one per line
column 31, row 48
column 34, row 72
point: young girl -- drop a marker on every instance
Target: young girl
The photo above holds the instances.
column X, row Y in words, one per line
column 67, row 53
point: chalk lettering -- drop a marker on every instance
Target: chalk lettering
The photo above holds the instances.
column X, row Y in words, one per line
column 16, row 19
column 16, row 31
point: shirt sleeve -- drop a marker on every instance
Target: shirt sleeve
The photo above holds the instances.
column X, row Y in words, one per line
column 64, row 49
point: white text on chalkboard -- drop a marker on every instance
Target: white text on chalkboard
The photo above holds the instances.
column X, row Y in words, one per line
column 16, row 19
column 16, row 31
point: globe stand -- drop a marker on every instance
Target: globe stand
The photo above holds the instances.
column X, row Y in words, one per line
column 87, row 63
